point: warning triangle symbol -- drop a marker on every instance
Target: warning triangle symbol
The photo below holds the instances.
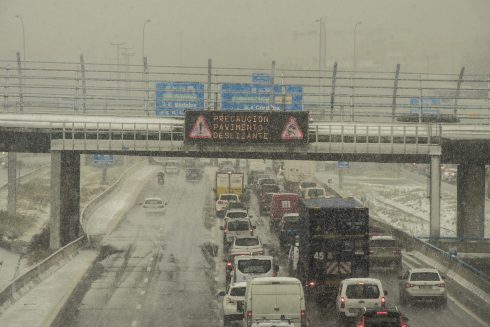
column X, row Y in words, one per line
column 291, row 130
column 201, row 129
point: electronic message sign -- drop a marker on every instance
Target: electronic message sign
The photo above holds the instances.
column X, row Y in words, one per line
column 246, row 127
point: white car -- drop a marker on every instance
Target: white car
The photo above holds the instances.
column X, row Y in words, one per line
column 355, row 294
column 236, row 228
column 222, row 202
column 233, row 302
column 421, row 284
column 251, row 245
column 154, row 204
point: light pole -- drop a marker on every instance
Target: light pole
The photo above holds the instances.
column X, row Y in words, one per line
column 355, row 41
column 353, row 73
column 143, row 46
column 321, row 41
column 23, row 35
column 118, row 45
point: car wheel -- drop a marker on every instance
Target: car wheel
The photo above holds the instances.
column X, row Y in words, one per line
column 340, row 320
column 226, row 322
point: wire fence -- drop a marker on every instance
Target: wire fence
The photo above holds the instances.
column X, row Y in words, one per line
column 329, row 95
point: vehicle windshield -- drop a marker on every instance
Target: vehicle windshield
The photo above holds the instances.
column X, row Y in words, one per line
column 249, row 241
column 307, row 184
column 362, row 291
column 228, row 197
column 153, row 201
column 315, row 192
column 237, row 214
column 238, row 225
column 424, row 276
column 238, row 291
column 292, row 225
column 254, row 266
column 383, row 243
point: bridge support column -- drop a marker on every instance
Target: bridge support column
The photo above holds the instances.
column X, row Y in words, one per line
column 435, row 196
column 471, row 201
column 65, row 198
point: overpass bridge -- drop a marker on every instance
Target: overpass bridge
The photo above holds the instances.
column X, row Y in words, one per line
column 69, row 109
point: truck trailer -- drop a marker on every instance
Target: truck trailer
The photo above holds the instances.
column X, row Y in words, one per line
column 333, row 244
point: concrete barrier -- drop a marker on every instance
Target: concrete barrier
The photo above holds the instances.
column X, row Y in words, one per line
column 22, row 283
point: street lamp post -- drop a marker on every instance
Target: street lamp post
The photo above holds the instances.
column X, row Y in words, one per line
column 355, row 41
column 354, row 72
column 321, row 49
column 23, row 36
column 143, row 45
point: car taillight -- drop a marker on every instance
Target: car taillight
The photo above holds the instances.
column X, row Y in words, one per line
column 311, row 284
column 249, row 318
column 397, row 252
column 303, row 318
column 371, row 252
column 274, row 274
column 383, row 313
column 361, row 324
column 443, row 285
column 383, row 302
column 251, row 232
column 403, row 325
column 342, row 302
column 408, row 285
column 229, row 265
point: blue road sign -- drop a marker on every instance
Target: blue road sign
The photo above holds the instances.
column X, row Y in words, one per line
column 174, row 98
column 257, row 97
column 261, row 78
column 430, row 106
column 343, row 164
column 103, row 159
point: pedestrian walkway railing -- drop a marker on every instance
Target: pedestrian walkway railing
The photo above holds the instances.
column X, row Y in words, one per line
column 336, row 94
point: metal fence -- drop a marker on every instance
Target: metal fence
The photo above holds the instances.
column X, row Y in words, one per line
column 332, row 95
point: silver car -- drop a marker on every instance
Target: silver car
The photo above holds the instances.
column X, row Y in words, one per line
column 421, row 284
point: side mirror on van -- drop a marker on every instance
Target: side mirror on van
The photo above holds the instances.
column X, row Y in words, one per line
column 276, row 268
column 221, row 227
column 222, row 293
column 385, row 293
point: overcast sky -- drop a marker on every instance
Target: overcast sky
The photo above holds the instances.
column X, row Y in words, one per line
column 423, row 35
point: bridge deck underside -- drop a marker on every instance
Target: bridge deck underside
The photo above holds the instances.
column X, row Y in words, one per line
column 384, row 152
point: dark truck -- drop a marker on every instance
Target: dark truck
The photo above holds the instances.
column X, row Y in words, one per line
column 333, row 244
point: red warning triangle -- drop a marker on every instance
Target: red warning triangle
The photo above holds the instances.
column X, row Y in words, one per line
column 201, row 129
column 291, row 130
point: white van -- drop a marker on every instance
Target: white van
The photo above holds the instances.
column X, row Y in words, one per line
column 246, row 267
column 274, row 298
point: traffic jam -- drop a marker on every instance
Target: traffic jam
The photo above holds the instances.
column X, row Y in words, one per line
column 326, row 251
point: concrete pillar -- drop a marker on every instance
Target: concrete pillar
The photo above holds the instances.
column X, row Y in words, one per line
column 65, row 198
column 12, row 184
column 471, row 201
column 435, row 196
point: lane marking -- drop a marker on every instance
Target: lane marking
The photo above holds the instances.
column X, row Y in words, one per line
column 134, row 323
column 148, row 269
column 138, row 307
column 146, row 280
column 143, row 292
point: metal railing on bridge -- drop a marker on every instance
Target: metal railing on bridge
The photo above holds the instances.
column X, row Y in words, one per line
column 329, row 95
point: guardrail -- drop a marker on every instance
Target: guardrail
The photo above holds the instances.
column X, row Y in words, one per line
column 33, row 275
column 336, row 94
column 466, row 271
column 17, row 286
